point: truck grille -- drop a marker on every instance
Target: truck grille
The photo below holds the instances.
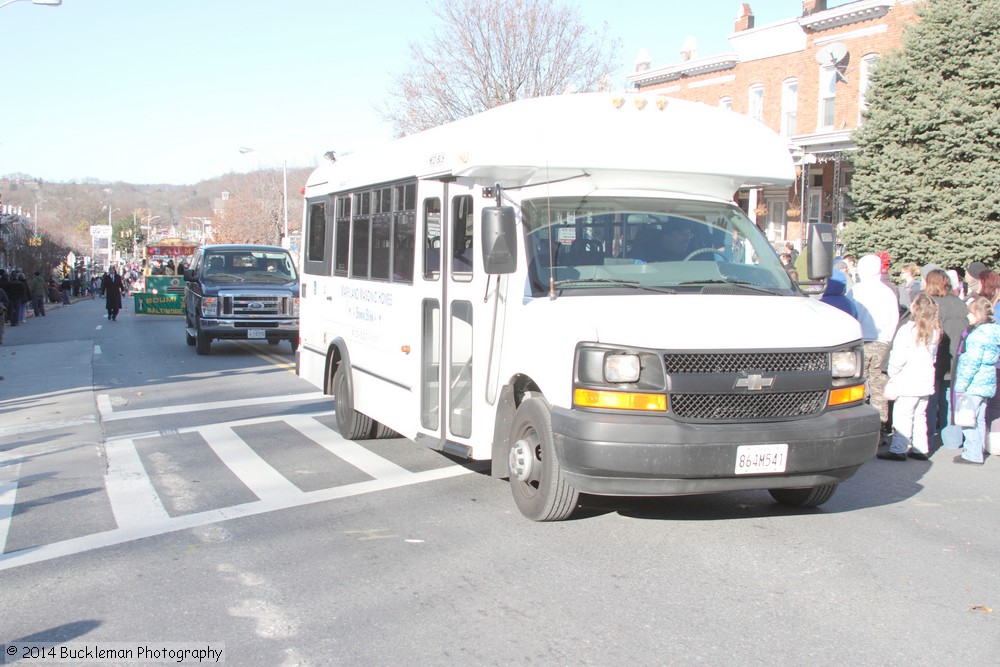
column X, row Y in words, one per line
column 251, row 305
column 742, row 405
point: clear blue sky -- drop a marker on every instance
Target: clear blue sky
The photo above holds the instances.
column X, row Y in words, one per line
column 167, row 91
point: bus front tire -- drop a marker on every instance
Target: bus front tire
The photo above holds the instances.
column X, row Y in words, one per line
column 536, row 481
column 352, row 424
column 811, row 497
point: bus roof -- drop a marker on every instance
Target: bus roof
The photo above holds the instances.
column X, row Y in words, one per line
column 634, row 141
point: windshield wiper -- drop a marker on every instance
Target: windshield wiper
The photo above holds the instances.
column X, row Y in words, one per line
column 732, row 283
column 635, row 284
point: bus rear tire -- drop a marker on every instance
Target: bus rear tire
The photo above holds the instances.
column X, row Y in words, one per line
column 352, row 424
column 812, row 497
column 536, row 481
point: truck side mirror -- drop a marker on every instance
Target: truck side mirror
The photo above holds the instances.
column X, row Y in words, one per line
column 820, row 242
column 499, row 236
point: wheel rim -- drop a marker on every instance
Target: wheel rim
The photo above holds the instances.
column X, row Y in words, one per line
column 527, row 450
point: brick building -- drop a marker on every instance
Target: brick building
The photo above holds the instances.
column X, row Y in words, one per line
column 805, row 77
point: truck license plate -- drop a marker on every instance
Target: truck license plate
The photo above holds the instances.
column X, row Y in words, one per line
column 757, row 459
column 256, row 333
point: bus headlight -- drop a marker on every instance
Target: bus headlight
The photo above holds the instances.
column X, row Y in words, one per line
column 846, row 363
column 621, row 368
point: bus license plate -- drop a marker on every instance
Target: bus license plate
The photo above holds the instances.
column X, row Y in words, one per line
column 256, row 333
column 757, row 459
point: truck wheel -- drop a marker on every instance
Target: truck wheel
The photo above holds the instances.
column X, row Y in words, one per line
column 536, row 480
column 813, row 497
column 352, row 424
column 204, row 343
column 189, row 338
column 295, row 343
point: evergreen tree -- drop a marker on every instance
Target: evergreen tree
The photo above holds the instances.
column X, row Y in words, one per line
column 926, row 185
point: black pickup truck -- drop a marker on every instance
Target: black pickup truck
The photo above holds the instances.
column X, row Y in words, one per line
column 241, row 292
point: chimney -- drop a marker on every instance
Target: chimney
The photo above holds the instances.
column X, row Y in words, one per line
column 744, row 18
column 689, row 51
column 813, row 6
column 643, row 61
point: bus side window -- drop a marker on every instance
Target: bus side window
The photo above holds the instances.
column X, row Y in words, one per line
column 463, row 225
column 432, row 238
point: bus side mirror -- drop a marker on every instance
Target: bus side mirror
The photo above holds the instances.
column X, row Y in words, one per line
column 499, row 237
column 820, row 242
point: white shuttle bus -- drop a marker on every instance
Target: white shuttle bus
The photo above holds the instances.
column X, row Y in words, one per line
column 565, row 286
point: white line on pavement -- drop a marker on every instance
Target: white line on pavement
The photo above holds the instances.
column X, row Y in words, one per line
column 122, row 535
column 263, row 480
column 8, row 493
column 108, row 413
column 134, row 501
column 359, row 457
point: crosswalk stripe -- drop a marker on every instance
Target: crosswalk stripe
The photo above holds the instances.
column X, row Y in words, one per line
column 108, row 413
column 122, row 535
column 351, row 452
column 263, row 480
column 134, row 501
column 8, row 494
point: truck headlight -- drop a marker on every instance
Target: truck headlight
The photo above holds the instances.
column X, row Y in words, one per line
column 621, row 368
column 846, row 363
column 209, row 306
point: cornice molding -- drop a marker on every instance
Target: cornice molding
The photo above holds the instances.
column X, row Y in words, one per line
column 853, row 12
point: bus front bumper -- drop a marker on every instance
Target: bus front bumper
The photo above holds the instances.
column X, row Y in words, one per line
column 630, row 455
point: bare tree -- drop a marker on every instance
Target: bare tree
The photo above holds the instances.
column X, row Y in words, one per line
column 486, row 54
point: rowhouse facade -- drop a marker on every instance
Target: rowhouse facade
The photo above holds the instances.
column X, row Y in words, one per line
column 806, row 78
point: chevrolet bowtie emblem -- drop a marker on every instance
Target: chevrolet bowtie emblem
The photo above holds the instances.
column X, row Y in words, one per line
column 754, row 382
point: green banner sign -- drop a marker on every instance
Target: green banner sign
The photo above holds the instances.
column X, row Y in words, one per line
column 147, row 303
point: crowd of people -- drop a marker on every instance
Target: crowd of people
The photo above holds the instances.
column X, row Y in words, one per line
column 18, row 292
column 932, row 350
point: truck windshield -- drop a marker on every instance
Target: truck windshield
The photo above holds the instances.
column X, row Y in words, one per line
column 249, row 266
column 630, row 242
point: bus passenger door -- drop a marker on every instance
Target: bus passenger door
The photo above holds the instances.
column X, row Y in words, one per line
column 448, row 287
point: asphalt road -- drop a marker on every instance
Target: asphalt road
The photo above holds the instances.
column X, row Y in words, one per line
column 151, row 496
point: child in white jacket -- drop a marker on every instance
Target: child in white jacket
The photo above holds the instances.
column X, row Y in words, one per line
column 911, row 376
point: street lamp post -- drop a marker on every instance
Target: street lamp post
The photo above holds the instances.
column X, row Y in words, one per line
column 34, row 217
column 284, row 195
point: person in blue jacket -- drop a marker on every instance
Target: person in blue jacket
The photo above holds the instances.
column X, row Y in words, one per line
column 836, row 295
column 976, row 376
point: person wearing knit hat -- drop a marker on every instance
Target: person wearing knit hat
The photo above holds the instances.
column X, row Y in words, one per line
column 972, row 273
column 975, row 269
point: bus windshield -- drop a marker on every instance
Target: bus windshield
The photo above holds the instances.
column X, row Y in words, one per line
column 630, row 242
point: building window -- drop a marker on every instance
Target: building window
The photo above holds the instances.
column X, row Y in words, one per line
column 867, row 65
column 756, row 106
column 827, row 96
column 789, row 106
column 726, row 103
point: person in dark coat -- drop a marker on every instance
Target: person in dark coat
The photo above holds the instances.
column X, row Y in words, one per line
column 113, row 287
column 17, row 292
